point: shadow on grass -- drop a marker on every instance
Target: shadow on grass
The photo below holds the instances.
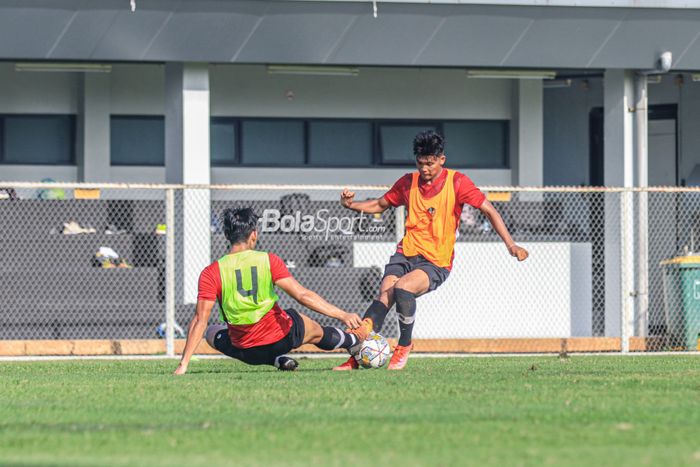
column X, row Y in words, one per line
column 255, row 370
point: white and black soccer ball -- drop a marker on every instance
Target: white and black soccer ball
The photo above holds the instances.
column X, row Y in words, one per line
column 374, row 351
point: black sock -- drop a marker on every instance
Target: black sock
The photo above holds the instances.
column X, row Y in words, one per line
column 377, row 311
column 285, row 363
column 334, row 338
column 406, row 311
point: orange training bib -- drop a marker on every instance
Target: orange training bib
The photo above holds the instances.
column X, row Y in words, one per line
column 431, row 225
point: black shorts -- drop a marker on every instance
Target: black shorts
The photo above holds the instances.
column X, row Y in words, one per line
column 400, row 265
column 263, row 354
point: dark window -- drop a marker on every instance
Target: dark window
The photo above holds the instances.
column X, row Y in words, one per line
column 137, row 140
column 37, row 139
column 477, row 144
column 223, row 141
column 352, row 143
column 396, row 141
column 272, row 142
column 339, row 143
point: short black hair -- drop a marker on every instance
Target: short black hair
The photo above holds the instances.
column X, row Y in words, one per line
column 239, row 224
column 428, row 143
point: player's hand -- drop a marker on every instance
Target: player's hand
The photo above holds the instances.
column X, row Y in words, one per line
column 346, row 198
column 181, row 369
column 352, row 320
column 518, row 252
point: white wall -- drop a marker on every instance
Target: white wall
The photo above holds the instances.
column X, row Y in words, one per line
column 36, row 173
column 489, row 295
column 527, row 133
column 249, row 91
column 138, row 90
column 375, row 93
column 32, row 92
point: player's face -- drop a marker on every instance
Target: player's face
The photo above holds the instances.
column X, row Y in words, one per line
column 430, row 166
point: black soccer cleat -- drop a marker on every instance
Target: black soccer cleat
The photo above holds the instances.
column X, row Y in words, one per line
column 284, row 363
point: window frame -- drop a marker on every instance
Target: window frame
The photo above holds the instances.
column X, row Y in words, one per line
column 506, row 143
column 73, row 123
column 236, row 124
column 375, row 124
column 241, row 138
column 137, row 117
column 373, row 137
column 379, row 150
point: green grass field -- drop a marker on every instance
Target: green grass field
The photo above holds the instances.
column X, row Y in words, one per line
column 459, row 411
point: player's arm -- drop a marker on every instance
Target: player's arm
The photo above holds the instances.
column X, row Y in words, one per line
column 500, row 227
column 370, row 206
column 198, row 325
column 315, row 302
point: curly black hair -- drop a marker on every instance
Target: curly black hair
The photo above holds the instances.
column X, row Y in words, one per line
column 239, row 224
column 428, row 143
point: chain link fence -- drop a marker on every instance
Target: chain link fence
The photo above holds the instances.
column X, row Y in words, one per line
column 609, row 269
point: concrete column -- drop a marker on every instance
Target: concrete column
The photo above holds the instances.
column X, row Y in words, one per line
column 93, row 127
column 618, row 171
column 187, row 161
column 642, row 166
column 527, row 130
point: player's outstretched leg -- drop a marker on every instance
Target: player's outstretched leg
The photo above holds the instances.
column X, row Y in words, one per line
column 334, row 338
column 271, row 354
column 329, row 337
column 406, row 312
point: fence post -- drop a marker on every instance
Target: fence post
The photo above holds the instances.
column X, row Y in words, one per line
column 642, row 255
column 170, row 272
column 627, row 269
column 400, row 213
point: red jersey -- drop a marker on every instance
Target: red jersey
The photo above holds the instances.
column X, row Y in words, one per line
column 465, row 193
column 271, row 328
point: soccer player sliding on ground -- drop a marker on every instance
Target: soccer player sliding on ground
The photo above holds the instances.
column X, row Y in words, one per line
column 434, row 197
column 257, row 330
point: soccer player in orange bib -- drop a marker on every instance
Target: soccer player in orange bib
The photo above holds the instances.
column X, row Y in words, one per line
column 434, row 197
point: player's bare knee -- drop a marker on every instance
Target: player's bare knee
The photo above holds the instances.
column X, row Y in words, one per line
column 386, row 297
column 414, row 284
column 312, row 330
column 316, row 332
column 211, row 333
column 403, row 284
column 386, row 290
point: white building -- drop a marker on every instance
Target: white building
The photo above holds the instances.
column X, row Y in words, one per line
column 341, row 87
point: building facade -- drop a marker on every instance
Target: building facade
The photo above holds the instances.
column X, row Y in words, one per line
column 526, row 94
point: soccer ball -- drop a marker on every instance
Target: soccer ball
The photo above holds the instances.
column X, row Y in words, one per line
column 374, row 351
